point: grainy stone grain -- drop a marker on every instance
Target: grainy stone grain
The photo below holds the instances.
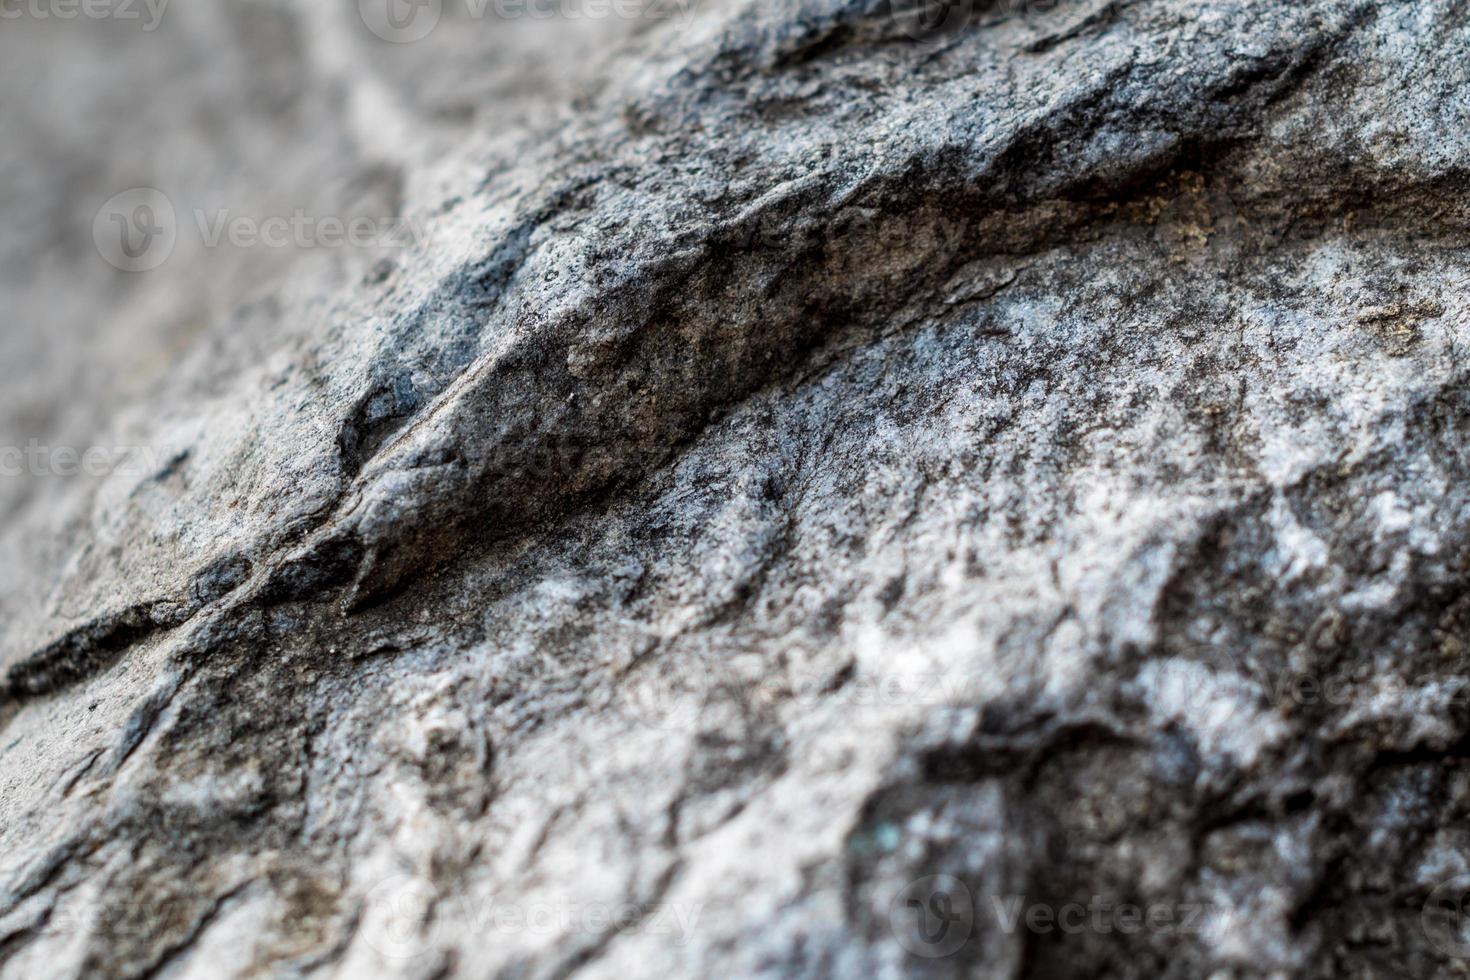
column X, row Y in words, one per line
column 805, row 469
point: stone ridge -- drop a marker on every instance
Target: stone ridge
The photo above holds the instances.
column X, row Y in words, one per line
column 827, row 471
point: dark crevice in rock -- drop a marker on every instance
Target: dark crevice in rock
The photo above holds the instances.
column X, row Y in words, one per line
column 87, row 650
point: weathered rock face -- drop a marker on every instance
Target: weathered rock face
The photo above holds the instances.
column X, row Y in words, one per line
column 822, row 496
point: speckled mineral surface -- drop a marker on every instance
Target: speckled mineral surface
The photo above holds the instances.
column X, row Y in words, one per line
column 808, row 489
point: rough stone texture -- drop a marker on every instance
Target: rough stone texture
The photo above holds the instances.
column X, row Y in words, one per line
column 804, row 459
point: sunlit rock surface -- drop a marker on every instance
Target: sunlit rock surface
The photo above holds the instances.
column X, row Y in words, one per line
column 782, row 490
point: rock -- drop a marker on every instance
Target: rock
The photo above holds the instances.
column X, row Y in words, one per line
column 786, row 489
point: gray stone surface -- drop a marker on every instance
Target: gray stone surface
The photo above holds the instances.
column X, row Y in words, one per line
column 810, row 465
